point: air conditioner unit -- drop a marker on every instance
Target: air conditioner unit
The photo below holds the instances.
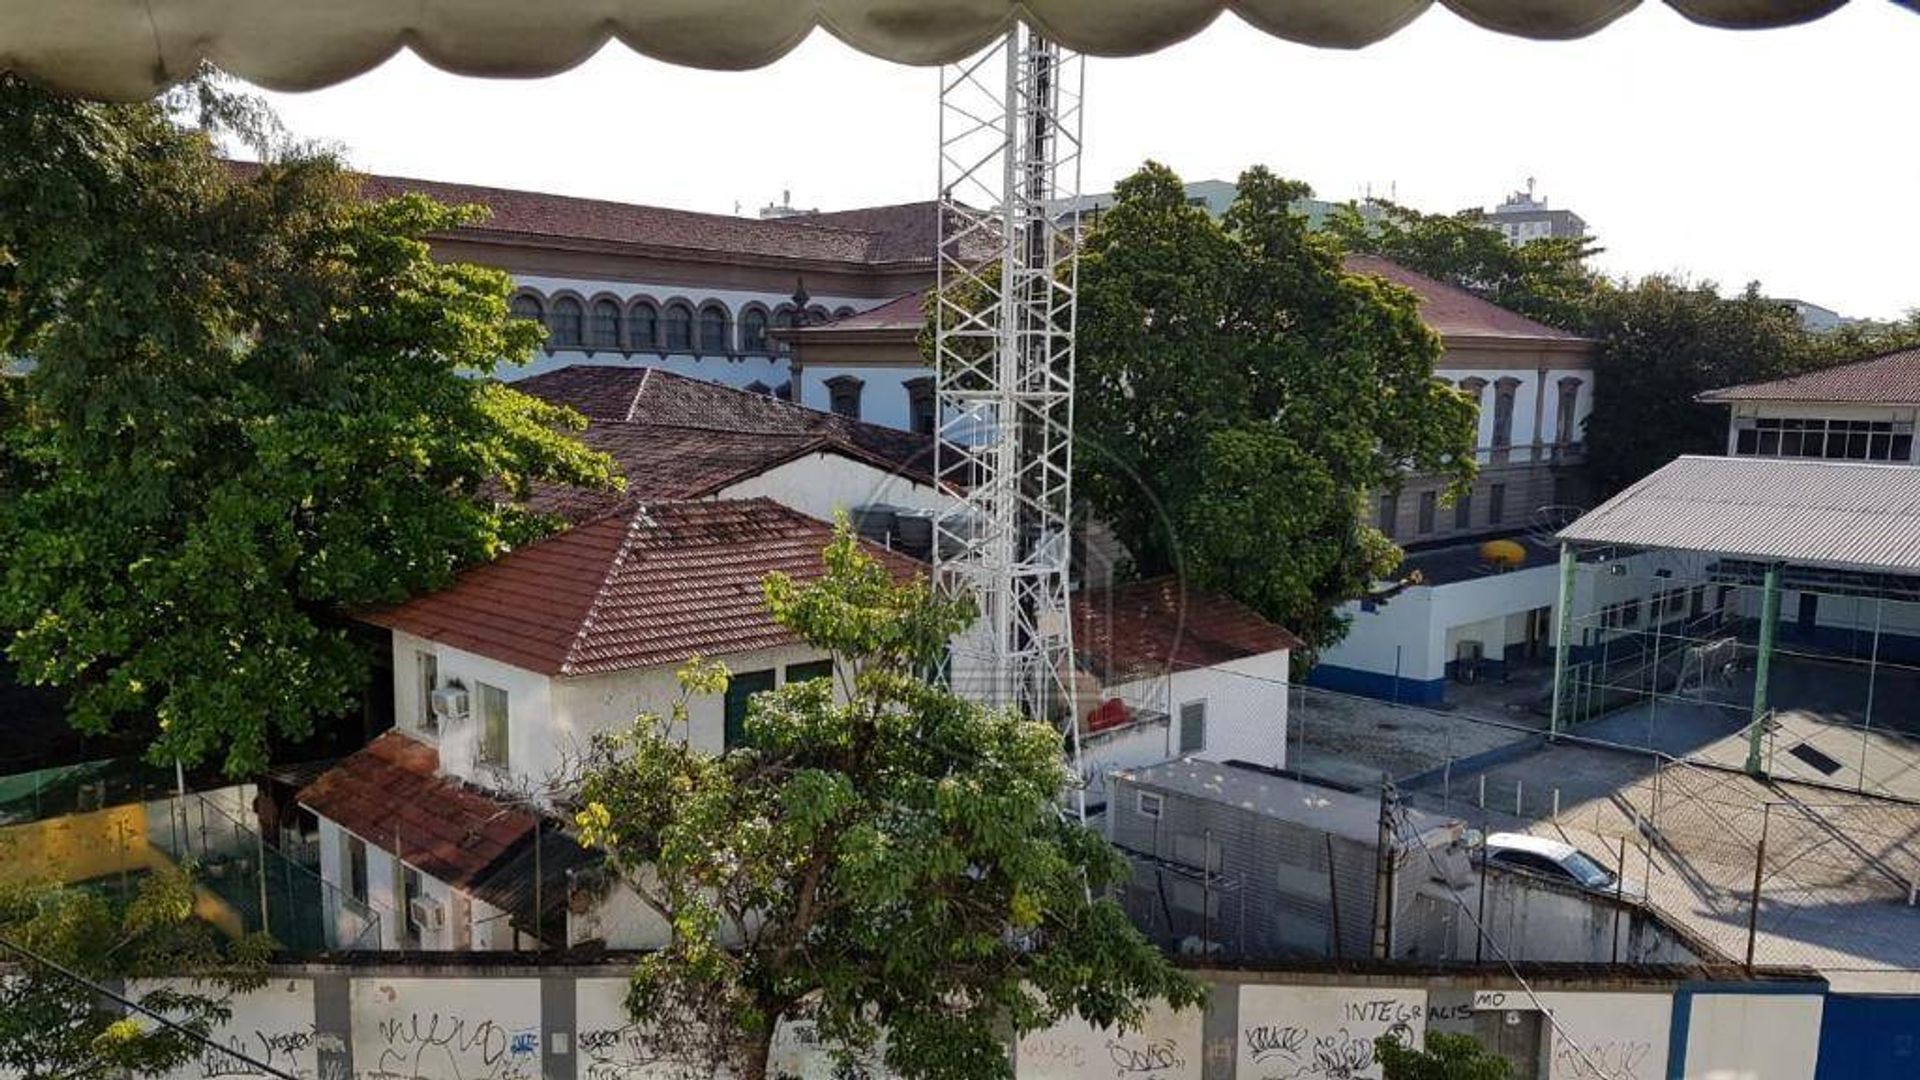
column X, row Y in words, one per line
column 426, row 913
column 450, row 704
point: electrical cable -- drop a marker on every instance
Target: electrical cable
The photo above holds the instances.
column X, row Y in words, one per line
column 74, row 976
column 1512, row 969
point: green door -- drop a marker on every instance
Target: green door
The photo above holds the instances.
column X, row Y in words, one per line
column 740, row 689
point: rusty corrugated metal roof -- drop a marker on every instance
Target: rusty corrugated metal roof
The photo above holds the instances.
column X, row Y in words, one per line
column 1839, row 514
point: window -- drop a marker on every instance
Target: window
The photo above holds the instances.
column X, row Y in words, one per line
column 1388, row 513
column 1569, row 401
column 740, row 691
column 1429, row 510
column 843, row 312
column 426, row 668
column 809, row 671
column 490, row 704
column 1463, row 512
column 753, row 331
column 1840, row 440
column 1496, row 504
column 563, row 323
column 1147, row 804
column 679, row 328
column 817, row 315
column 1193, row 727
column 713, row 330
column 603, row 329
column 843, row 395
column 920, row 405
column 1503, row 412
column 353, row 854
column 643, row 326
column 783, row 320
column 407, row 887
column 757, row 387
column 525, row 306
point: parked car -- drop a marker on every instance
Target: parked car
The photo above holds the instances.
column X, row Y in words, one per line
column 1554, row 860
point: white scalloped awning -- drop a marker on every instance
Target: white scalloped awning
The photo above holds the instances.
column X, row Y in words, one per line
column 127, row 49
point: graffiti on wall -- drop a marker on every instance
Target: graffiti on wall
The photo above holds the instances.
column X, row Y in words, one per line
column 1167, row 1046
column 272, row 1025
column 1323, row 1033
column 1607, row 1036
column 444, row 1029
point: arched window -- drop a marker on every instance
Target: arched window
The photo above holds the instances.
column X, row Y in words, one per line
column 679, row 328
column 753, row 331
column 782, row 319
column 1503, row 394
column 525, row 306
column 563, row 323
column 713, row 329
column 842, row 312
column 817, row 315
column 603, row 327
column 643, row 327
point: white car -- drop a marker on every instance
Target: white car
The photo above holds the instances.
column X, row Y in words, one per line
column 1553, row 860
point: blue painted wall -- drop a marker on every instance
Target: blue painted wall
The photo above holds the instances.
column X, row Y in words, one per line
column 1869, row 1038
column 1373, row 684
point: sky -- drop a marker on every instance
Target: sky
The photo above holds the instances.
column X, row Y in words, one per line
column 1783, row 156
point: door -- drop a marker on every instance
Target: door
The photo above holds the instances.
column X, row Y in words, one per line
column 1514, row 1035
column 1809, row 613
column 1539, row 632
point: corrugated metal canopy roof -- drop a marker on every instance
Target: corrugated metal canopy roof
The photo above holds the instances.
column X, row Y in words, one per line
column 127, row 49
column 1838, row 514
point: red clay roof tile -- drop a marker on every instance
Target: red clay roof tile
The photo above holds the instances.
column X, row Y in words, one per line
column 1454, row 312
column 1151, row 627
column 647, row 586
column 390, row 794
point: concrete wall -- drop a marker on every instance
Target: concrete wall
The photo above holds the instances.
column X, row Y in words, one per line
column 1732, row 1036
column 493, row 1023
column 1528, row 919
column 1416, row 634
column 820, row 484
column 883, row 397
column 1246, row 718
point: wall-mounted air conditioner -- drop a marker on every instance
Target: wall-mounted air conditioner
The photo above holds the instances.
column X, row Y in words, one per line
column 450, row 704
column 426, row 913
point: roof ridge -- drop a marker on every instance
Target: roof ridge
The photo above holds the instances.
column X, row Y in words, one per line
column 638, row 517
column 639, row 389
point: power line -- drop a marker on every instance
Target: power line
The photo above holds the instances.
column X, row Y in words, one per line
column 237, row 1055
column 1400, row 823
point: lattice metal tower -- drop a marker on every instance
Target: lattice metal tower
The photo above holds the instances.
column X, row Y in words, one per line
column 1004, row 324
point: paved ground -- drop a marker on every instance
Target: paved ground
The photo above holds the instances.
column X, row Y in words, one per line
column 1356, row 740
column 1822, row 733
column 1837, row 872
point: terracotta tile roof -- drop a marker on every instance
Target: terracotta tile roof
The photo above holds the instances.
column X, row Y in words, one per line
column 644, row 587
column 1889, row 379
column 900, row 315
column 653, row 396
column 1150, row 627
column 390, row 794
column 664, row 462
column 1454, row 312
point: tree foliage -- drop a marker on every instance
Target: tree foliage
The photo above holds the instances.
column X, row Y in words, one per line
column 51, row 1026
column 1445, row 1057
column 1239, row 393
column 1661, row 342
column 251, row 410
column 883, row 856
column 1546, row 278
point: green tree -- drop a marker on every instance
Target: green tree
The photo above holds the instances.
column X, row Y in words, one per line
column 1661, row 342
column 1239, row 394
column 1445, row 1057
column 1545, row 279
column 51, row 1026
column 889, row 859
column 252, row 409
